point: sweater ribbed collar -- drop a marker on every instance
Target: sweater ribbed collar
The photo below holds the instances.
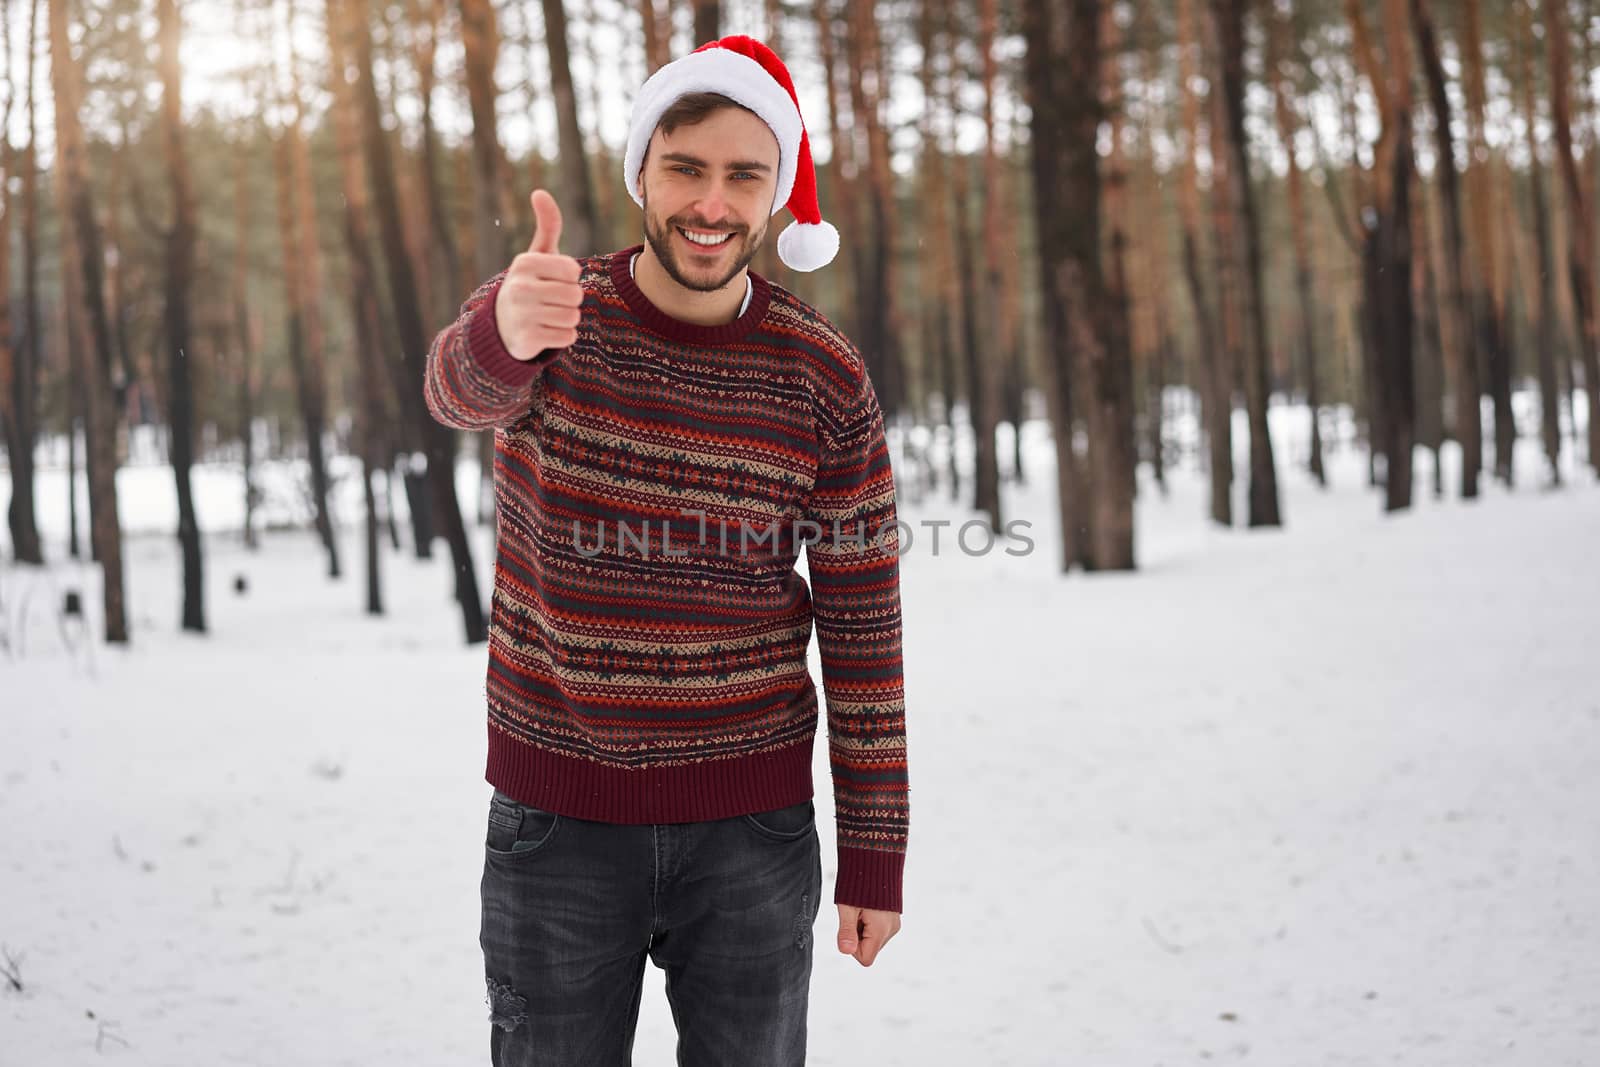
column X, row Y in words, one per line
column 676, row 329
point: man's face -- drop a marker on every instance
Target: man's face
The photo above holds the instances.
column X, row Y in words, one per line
column 708, row 191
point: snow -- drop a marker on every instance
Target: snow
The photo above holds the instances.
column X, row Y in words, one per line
column 1323, row 795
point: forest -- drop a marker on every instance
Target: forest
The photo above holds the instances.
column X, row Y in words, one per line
column 236, row 225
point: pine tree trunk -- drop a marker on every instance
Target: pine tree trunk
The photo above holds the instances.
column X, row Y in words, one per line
column 309, row 386
column 124, row 374
column 1093, row 321
column 449, row 280
column 939, row 264
column 489, row 247
column 657, row 34
column 419, row 486
column 1288, row 123
column 21, row 513
column 1485, row 276
column 984, row 347
column 842, row 174
column 1215, row 376
column 302, row 273
column 1549, row 389
column 1117, row 250
column 180, row 273
column 1580, row 229
column 707, row 21
column 1386, row 250
column 74, row 548
column 1456, row 301
column 1048, row 34
column 876, row 312
column 13, row 402
column 985, row 495
column 1156, row 245
column 363, row 299
column 581, row 220
column 243, row 205
column 1430, row 335
column 93, row 368
column 1228, row 16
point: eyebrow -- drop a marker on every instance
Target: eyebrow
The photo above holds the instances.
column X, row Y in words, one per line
column 693, row 161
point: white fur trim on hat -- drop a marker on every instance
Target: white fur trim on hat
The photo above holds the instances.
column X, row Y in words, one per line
column 739, row 78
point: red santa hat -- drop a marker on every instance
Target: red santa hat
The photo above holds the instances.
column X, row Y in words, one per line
column 748, row 73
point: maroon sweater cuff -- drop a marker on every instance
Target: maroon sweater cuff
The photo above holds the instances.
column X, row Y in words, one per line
column 869, row 879
column 489, row 351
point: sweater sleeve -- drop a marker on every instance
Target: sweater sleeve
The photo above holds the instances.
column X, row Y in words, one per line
column 855, row 585
column 471, row 382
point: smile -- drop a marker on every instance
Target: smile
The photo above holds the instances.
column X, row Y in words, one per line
column 706, row 240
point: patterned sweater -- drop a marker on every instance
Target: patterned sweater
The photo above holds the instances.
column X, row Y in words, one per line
column 654, row 483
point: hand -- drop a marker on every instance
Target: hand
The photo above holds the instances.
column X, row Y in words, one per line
column 863, row 932
column 539, row 303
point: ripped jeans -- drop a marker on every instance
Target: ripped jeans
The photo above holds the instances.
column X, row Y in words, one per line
column 572, row 908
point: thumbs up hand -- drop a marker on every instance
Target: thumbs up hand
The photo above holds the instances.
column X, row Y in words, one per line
column 538, row 307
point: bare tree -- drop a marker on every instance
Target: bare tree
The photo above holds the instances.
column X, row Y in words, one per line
column 707, row 21
column 180, row 253
column 481, row 38
column 413, row 346
column 303, row 289
column 1047, row 32
column 1386, row 249
column 1279, row 33
column 842, row 169
column 1065, row 85
column 1487, row 276
column 363, row 290
column 93, row 368
column 1458, row 309
column 943, row 306
column 490, row 248
column 878, row 322
column 449, row 280
column 243, row 337
column 1228, row 20
column 657, row 22
column 1549, row 392
column 1114, row 186
column 581, row 220
column 978, row 352
column 1580, row 226
column 1149, row 327
column 18, row 387
column 1216, row 368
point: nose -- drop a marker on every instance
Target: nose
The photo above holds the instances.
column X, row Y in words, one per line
column 713, row 206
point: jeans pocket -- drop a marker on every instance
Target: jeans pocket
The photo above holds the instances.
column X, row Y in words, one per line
column 517, row 830
column 785, row 824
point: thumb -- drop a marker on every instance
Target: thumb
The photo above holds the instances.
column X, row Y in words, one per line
column 848, row 920
column 547, row 222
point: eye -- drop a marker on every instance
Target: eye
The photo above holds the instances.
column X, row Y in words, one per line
column 745, row 174
column 684, row 168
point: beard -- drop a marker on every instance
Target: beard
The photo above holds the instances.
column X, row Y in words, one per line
column 659, row 234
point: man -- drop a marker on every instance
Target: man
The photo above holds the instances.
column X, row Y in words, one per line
column 651, row 712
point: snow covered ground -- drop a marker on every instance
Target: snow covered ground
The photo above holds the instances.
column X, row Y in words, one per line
column 1318, row 796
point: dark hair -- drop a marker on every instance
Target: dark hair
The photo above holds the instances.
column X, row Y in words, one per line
column 692, row 108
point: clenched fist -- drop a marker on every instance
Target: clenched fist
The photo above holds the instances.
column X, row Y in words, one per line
column 539, row 300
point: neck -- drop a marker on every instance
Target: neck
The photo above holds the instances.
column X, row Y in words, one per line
column 716, row 308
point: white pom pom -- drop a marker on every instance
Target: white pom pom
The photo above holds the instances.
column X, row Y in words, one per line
column 805, row 246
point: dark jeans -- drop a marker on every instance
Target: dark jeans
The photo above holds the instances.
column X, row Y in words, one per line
column 571, row 909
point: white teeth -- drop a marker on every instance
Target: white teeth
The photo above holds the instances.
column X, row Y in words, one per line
column 699, row 240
